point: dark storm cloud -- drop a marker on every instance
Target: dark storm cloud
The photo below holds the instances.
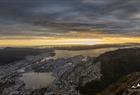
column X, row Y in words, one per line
column 114, row 16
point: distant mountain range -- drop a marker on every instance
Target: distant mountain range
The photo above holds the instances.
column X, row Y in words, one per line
column 10, row 55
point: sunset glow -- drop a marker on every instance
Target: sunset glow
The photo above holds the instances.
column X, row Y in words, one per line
column 59, row 41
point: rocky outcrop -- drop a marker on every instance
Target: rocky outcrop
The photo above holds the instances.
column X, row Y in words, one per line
column 114, row 65
column 128, row 85
column 74, row 77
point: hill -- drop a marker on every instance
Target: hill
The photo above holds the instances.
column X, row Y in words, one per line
column 114, row 65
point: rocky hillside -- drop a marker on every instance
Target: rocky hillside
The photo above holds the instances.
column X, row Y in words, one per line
column 76, row 75
column 128, row 85
column 114, row 65
column 68, row 73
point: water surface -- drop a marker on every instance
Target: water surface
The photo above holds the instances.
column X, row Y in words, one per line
column 37, row 80
column 88, row 52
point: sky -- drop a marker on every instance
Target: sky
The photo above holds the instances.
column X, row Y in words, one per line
column 92, row 21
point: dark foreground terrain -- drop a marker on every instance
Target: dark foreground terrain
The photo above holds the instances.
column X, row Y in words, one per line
column 112, row 73
column 128, row 85
column 114, row 65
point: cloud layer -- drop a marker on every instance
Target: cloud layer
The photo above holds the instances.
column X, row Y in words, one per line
column 111, row 16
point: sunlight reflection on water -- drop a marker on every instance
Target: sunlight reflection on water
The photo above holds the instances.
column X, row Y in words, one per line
column 90, row 52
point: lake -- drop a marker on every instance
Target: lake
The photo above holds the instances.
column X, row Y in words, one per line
column 34, row 80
